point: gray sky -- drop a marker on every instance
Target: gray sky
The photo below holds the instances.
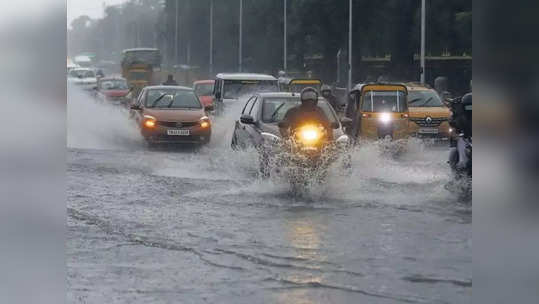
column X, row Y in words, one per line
column 92, row 8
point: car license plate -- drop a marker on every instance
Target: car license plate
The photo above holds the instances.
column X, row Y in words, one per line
column 428, row 130
column 178, row 132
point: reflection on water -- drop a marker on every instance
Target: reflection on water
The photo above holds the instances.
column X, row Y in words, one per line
column 305, row 232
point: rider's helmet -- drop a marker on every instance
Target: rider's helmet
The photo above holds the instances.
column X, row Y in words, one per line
column 325, row 90
column 309, row 95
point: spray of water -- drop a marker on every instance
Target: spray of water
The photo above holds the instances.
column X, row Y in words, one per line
column 94, row 125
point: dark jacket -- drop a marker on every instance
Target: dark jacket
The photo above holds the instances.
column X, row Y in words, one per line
column 170, row 82
column 303, row 115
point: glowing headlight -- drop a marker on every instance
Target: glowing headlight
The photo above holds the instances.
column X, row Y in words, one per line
column 309, row 135
column 385, row 117
column 149, row 121
column 205, row 122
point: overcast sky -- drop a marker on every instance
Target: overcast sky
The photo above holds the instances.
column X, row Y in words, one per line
column 91, row 8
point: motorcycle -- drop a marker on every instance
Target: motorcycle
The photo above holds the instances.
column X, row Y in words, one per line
column 460, row 156
column 305, row 156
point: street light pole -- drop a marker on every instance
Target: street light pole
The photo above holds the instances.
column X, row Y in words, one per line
column 211, row 38
column 349, row 87
column 285, row 45
column 422, row 70
column 241, row 37
column 176, row 33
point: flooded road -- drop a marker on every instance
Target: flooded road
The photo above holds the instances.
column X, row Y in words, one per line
column 197, row 225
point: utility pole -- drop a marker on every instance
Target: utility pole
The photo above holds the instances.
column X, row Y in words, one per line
column 211, row 38
column 241, row 38
column 349, row 87
column 422, row 70
column 176, row 33
column 285, row 35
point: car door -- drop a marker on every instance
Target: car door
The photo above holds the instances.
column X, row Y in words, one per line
column 240, row 133
column 253, row 130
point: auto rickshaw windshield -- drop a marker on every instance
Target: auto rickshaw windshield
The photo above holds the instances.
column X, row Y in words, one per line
column 384, row 101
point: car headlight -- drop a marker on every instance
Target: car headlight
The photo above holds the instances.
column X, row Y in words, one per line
column 205, row 122
column 385, row 117
column 270, row 138
column 149, row 121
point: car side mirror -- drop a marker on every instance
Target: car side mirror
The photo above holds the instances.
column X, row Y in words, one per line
column 346, row 122
column 136, row 107
column 218, row 95
column 209, row 108
column 247, row 119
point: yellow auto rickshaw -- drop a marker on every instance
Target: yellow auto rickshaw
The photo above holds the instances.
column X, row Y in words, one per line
column 381, row 112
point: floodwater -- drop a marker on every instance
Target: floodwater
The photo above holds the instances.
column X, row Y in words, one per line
column 198, row 226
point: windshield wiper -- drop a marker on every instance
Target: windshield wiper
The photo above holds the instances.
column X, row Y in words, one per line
column 423, row 104
column 276, row 110
column 157, row 100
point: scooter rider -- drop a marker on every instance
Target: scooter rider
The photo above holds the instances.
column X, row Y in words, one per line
column 306, row 113
column 328, row 95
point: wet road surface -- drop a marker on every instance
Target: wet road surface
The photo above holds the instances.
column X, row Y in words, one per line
column 197, row 226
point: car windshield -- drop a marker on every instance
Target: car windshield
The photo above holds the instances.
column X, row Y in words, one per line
column 427, row 98
column 274, row 108
column 384, row 101
column 82, row 74
column 204, row 89
column 136, row 75
column 233, row 89
column 172, row 98
column 113, row 84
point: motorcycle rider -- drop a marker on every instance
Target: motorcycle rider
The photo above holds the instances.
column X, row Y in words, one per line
column 461, row 122
column 328, row 95
column 170, row 81
column 306, row 113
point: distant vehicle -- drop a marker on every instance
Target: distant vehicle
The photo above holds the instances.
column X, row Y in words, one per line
column 429, row 116
column 229, row 88
column 297, row 85
column 382, row 111
column 113, row 90
column 204, row 91
column 258, row 125
column 141, row 67
column 171, row 114
column 84, row 78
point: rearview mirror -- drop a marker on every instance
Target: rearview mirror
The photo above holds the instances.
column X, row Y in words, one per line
column 247, row 119
column 136, row 107
column 209, row 108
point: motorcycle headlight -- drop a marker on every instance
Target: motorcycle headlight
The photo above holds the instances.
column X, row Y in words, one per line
column 385, row 117
column 309, row 135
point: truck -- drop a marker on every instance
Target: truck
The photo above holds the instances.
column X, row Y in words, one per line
column 141, row 67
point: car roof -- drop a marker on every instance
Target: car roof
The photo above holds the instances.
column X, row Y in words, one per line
column 162, row 87
column 359, row 86
column 140, row 49
column 204, row 81
column 83, row 69
column 278, row 94
column 245, row 76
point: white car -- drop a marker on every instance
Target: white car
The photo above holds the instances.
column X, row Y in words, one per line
column 84, row 78
column 230, row 87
